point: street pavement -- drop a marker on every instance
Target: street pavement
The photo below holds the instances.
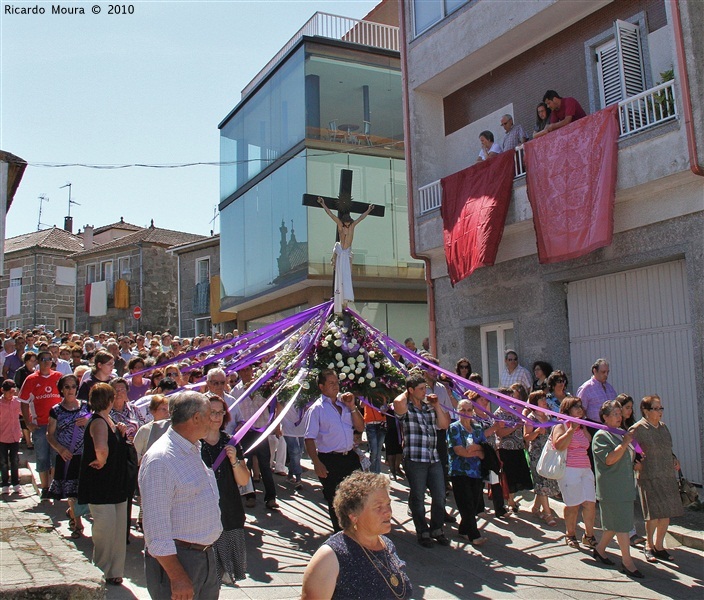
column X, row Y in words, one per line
column 523, row 557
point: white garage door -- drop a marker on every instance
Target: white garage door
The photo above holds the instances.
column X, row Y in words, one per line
column 640, row 321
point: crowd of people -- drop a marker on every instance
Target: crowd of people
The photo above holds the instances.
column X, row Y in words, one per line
column 552, row 113
column 120, row 419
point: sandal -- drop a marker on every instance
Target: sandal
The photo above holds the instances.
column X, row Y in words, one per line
column 550, row 519
column 77, row 533
column 571, row 541
column 538, row 513
column 649, row 555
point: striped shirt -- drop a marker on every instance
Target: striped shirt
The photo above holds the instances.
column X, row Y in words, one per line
column 577, row 456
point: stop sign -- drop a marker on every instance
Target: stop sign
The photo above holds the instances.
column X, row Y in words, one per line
column 137, row 312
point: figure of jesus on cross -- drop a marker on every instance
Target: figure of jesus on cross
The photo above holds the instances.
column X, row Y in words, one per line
column 342, row 251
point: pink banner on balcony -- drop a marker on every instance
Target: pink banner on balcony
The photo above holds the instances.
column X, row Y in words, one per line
column 571, row 177
column 474, row 206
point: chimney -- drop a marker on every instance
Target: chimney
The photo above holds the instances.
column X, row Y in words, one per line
column 68, row 224
column 88, row 237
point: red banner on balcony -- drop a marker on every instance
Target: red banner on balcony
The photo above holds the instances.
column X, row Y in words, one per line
column 571, row 177
column 474, row 206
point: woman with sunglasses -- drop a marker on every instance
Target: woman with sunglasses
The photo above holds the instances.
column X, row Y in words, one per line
column 557, row 383
column 67, row 421
column 659, row 494
column 230, row 550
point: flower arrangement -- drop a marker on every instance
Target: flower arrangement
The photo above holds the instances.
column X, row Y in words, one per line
column 348, row 349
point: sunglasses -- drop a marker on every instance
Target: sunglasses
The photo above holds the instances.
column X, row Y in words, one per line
column 659, row 409
column 69, row 387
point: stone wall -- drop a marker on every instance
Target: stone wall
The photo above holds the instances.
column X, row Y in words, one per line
column 48, row 302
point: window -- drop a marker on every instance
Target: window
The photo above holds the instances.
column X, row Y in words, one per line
column 123, row 267
column 106, row 275
column 203, row 326
column 496, row 339
column 14, row 323
column 91, row 276
column 202, row 270
column 428, row 12
column 65, row 324
column 620, row 69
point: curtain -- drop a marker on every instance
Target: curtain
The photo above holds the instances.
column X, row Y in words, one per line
column 474, row 207
column 571, row 178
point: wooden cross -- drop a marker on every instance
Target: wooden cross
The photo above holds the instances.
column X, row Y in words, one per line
column 344, row 204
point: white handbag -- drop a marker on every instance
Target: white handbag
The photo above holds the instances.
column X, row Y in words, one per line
column 552, row 462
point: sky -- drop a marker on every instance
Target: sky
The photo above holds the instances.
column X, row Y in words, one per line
column 148, row 87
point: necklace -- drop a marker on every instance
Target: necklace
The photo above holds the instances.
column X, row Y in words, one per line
column 393, row 580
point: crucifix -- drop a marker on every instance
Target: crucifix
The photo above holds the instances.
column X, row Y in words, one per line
column 342, row 251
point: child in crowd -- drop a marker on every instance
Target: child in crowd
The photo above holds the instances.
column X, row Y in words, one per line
column 10, row 435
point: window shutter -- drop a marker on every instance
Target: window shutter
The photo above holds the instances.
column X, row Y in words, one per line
column 620, row 65
column 630, row 58
column 609, row 74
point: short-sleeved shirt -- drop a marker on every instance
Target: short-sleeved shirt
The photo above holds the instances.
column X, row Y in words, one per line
column 457, row 435
column 41, row 392
column 419, row 433
column 593, row 394
column 10, row 431
column 568, row 107
column 332, row 431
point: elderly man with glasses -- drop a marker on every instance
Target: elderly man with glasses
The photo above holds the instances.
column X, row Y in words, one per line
column 515, row 373
column 515, row 134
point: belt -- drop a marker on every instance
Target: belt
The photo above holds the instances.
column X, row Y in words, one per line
column 375, row 422
column 335, row 452
column 192, row 546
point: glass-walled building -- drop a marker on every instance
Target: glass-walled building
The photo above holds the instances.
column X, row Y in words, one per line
column 326, row 105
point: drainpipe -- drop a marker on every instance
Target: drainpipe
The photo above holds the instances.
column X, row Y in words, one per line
column 178, row 292
column 141, row 282
column 409, row 178
column 684, row 86
column 34, row 324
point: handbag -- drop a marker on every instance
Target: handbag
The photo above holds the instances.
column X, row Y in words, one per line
column 552, row 462
column 688, row 493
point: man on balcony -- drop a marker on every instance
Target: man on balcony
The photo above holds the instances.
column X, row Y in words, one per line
column 515, row 135
column 563, row 111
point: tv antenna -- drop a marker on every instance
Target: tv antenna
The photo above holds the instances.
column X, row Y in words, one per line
column 216, row 214
column 42, row 198
column 70, row 202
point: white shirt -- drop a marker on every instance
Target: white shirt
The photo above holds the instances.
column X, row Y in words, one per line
column 520, row 375
column 180, row 496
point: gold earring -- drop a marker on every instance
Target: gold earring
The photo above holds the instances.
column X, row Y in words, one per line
column 354, row 526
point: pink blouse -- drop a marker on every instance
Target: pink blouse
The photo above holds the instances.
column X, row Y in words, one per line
column 577, row 456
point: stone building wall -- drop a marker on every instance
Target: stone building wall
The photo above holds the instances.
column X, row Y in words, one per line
column 49, row 302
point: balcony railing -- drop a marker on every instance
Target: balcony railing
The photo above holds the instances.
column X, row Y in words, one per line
column 366, row 33
column 647, row 109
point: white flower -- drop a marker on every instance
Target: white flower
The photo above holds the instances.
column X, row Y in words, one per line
column 344, row 330
column 350, row 360
column 342, row 376
column 331, row 365
column 338, row 343
column 372, row 354
column 353, row 341
column 338, row 356
column 340, row 364
column 360, row 358
column 360, row 380
column 328, row 337
column 324, row 344
column 305, row 385
column 372, row 384
column 358, row 370
column 377, row 365
column 369, row 375
column 345, row 369
column 338, row 335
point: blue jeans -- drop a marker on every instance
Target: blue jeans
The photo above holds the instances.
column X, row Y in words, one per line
column 376, row 434
column 42, row 450
column 294, row 447
column 422, row 475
